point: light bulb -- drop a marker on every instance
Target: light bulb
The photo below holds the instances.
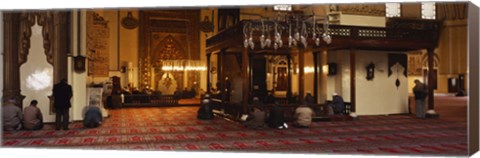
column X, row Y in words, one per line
column 262, row 41
column 245, row 43
column 297, row 36
column 290, row 40
column 317, row 41
column 327, row 38
column 268, row 42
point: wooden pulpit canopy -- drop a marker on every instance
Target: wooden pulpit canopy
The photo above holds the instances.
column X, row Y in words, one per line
column 398, row 35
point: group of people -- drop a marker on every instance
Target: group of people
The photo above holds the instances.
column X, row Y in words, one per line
column 14, row 119
column 258, row 118
column 179, row 94
column 32, row 118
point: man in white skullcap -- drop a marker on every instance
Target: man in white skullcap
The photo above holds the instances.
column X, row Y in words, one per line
column 337, row 104
column 205, row 111
column 11, row 116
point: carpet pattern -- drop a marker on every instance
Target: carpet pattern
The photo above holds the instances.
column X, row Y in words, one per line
column 176, row 128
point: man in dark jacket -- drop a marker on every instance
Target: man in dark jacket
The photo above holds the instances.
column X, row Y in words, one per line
column 420, row 91
column 205, row 111
column 270, row 98
column 309, row 99
column 276, row 119
column 337, row 104
column 62, row 92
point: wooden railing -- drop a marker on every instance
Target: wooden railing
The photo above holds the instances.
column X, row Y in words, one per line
column 144, row 99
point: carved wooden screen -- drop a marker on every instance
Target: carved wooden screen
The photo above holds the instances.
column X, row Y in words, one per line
column 227, row 18
column 175, row 30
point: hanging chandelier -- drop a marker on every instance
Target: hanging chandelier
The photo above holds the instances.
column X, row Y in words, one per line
column 298, row 27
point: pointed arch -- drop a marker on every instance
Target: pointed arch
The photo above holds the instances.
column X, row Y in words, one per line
column 168, row 49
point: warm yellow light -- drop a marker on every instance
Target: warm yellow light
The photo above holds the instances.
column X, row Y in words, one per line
column 325, row 69
column 308, row 69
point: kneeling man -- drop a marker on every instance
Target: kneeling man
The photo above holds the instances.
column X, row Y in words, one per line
column 33, row 117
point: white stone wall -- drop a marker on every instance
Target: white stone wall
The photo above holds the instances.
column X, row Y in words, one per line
column 375, row 97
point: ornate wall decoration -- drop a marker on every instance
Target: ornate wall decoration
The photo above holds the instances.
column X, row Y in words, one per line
column 361, row 9
column 27, row 20
column 167, row 34
column 129, row 22
column 97, row 45
column 168, row 49
column 415, row 64
column 45, row 20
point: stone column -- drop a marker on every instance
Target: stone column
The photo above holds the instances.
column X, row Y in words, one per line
column 246, row 79
column 289, row 73
column 352, row 83
column 315, row 76
column 431, row 108
column 301, row 75
column 209, row 84
column 11, row 74
column 60, row 45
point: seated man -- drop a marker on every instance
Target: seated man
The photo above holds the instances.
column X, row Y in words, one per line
column 337, row 104
column 270, row 98
column 309, row 99
column 205, row 111
column 276, row 119
column 93, row 116
column 303, row 116
column 256, row 119
column 33, row 117
column 11, row 116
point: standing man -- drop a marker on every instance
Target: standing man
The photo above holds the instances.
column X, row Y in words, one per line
column 33, row 117
column 420, row 92
column 62, row 92
column 11, row 116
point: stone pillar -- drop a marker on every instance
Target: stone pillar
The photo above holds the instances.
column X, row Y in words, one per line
column 221, row 75
column 289, row 73
column 315, row 76
column 246, row 79
column 209, row 84
column 352, row 83
column 60, row 45
column 301, row 75
column 431, row 109
column 11, row 74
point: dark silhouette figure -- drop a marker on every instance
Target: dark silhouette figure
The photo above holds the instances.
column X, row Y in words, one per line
column 276, row 119
column 421, row 92
column 62, row 92
column 309, row 99
column 337, row 104
column 205, row 112
column 269, row 99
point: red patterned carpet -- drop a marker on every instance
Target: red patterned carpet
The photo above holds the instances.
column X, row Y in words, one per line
column 176, row 128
